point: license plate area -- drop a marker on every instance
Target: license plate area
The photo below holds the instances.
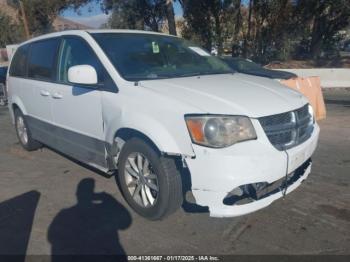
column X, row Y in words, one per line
column 296, row 159
column 254, row 192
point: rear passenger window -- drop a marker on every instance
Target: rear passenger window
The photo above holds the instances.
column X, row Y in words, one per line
column 19, row 62
column 42, row 59
column 76, row 52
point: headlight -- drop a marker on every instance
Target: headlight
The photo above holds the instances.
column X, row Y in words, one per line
column 219, row 131
column 311, row 112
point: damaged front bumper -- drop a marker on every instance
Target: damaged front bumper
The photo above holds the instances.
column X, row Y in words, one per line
column 248, row 176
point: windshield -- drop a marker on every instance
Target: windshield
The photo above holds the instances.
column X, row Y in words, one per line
column 242, row 64
column 150, row 56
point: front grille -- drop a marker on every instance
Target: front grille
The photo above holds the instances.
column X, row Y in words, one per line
column 289, row 129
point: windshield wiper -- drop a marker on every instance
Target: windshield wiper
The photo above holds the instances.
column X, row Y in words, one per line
column 204, row 73
column 216, row 73
column 190, row 74
column 156, row 77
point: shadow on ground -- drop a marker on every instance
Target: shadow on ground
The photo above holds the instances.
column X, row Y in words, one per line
column 89, row 227
column 16, row 220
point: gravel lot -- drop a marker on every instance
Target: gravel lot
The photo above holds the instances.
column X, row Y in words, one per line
column 39, row 212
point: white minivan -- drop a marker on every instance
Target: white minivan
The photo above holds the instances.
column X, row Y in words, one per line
column 163, row 115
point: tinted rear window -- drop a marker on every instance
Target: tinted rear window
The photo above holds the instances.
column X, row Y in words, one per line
column 42, row 59
column 19, row 62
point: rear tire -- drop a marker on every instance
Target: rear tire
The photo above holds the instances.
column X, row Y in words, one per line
column 150, row 183
column 23, row 133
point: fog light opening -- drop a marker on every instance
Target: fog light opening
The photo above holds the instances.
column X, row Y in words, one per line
column 244, row 194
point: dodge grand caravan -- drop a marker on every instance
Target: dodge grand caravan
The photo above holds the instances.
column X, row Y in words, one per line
column 161, row 111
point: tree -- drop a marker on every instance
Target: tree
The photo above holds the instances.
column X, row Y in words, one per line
column 9, row 32
column 198, row 26
column 126, row 14
column 149, row 14
column 322, row 19
column 237, row 16
column 41, row 13
column 247, row 37
column 170, row 15
column 216, row 9
column 154, row 13
column 207, row 20
column 271, row 18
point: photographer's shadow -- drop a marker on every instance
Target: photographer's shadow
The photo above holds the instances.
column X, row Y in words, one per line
column 91, row 226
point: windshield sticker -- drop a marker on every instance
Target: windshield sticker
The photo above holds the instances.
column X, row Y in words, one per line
column 155, row 48
column 199, row 51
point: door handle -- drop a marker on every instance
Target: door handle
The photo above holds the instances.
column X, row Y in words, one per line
column 57, row 96
column 44, row 93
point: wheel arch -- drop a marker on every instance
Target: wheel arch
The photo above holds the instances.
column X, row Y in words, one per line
column 126, row 134
column 16, row 104
column 167, row 138
column 122, row 135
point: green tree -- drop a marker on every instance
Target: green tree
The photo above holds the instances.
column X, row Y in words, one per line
column 321, row 21
column 198, row 22
column 136, row 14
column 271, row 19
column 41, row 13
column 126, row 14
column 237, row 18
column 207, row 20
column 10, row 33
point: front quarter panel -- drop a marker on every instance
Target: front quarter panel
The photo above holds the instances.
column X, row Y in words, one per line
column 158, row 118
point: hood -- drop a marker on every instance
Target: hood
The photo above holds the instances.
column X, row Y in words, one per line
column 232, row 94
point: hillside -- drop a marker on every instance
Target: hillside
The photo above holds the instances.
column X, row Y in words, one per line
column 59, row 23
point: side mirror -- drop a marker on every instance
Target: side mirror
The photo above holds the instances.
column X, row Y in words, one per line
column 82, row 74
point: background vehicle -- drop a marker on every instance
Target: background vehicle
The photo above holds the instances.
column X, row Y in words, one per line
column 3, row 93
column 249, row 67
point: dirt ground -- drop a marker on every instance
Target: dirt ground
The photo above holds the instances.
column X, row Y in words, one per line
column 47, row 201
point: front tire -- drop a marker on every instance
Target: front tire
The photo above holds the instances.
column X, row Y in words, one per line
column 23, row 133
column 150, row 183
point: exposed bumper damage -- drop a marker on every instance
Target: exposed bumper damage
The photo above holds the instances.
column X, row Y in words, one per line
column 248, row 176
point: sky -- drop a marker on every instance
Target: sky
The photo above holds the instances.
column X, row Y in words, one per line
column 91, row 14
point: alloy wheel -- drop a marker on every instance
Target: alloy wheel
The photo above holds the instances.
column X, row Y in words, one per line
column 22, row 130
column 141, row 180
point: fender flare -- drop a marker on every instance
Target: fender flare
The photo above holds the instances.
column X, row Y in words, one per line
column 16, row 102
